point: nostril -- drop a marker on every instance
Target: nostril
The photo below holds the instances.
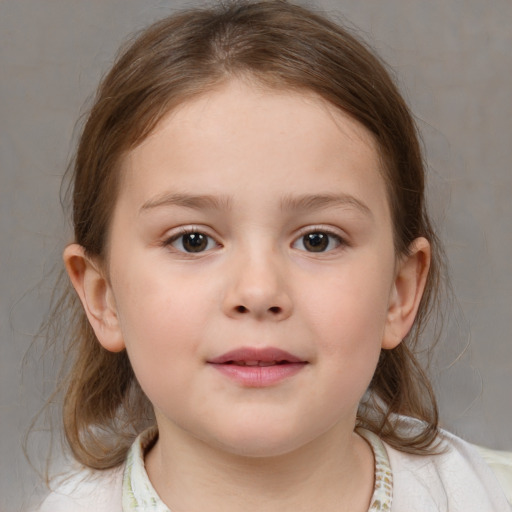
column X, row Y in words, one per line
column 274, row 310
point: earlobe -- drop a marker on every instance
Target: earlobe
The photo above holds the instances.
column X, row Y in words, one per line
column 96, row 296
column 409, row 284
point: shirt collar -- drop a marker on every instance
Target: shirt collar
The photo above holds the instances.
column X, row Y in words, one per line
column 140, row 496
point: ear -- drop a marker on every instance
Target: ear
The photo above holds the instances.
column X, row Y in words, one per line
column 409, row 284
column 96, row 296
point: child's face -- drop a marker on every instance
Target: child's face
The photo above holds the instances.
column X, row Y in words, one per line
column 291, row 250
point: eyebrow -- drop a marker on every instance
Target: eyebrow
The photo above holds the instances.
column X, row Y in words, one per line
column 291, row 203
column 322, row 201
column 196, row 202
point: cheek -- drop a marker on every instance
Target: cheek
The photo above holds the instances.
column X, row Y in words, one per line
column 348, row 317
column 351, row 306
column 157, row 304
column 162, row 322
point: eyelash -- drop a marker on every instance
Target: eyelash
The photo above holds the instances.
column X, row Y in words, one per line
column 316, row 230
column 187, row 232
column 320, row 230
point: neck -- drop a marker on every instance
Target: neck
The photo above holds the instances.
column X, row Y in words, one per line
column 334, row 472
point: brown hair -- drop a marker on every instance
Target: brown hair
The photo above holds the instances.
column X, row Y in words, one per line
column 280, row 45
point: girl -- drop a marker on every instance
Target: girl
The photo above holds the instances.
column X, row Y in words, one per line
column 253, row 266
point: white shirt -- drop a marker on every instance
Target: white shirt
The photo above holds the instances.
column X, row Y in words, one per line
column 458, row 480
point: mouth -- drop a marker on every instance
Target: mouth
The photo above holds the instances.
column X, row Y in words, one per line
column 256, row 363
column 258, row 367
column 247, row 356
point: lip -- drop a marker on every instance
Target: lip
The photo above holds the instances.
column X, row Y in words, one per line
column 258, row 367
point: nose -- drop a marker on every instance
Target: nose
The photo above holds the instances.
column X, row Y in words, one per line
column 257, row 288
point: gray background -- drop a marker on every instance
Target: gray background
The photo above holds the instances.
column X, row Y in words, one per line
column 454, row 63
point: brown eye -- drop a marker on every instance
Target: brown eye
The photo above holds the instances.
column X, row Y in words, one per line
column 193, row 242
column 317, row 241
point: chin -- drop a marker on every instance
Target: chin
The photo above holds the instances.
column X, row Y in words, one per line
column 258, row 448
column 261, row 441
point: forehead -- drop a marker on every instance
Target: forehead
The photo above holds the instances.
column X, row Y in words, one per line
column 243, row 136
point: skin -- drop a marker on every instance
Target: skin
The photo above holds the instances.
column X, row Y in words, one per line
column 255, row 154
